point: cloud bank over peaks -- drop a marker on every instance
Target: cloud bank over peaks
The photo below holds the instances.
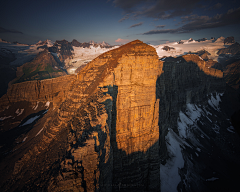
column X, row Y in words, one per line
column 195, row 22
column 162, row 9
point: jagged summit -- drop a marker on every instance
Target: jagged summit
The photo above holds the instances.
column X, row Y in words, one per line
column 229, row 40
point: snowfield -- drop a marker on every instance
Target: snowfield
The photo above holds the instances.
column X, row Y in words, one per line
column 84, row 55
column 212, row 46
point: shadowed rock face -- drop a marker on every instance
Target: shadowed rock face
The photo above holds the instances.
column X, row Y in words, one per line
column 229, row 40
column 232, row 74
column 233, row 49
column 99, row 147
column 104, row 128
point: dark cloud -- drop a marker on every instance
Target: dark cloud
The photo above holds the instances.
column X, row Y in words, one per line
column 124, row 18
column 163, row 9
column 195, row 22
column 152, row 32
column 3, row 30
column 136, row 25
column 216, row 6
column 160, row 26
column 127, row 5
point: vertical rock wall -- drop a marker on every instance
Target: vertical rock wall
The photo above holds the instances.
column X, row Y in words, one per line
column 135, row 131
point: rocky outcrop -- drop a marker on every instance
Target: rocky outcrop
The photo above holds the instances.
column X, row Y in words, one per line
column 185, row 80
column 43, row 66
column 106, row 131
column 202, row 39
column 233, row 49
column 53, row 90
column 167, row 48
column 100, row 148
column 203, row 54
column 232, row 74
column 63, row 48
column 229, row 40
column 203, row 65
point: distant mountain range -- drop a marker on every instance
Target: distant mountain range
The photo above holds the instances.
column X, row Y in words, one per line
column 49, row 43
column 48, row 59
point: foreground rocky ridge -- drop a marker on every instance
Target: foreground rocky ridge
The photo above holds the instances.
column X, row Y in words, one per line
column 106, row 130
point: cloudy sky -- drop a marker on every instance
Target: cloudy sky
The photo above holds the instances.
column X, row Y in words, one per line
column 118, row 21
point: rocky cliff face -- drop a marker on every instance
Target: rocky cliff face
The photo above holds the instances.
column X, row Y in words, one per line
column 233, row 49
column 185, row 80
column 107, row 127
column 232, row 74
column 99, row 145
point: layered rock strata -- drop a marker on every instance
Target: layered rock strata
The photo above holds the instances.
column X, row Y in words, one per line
column 107, row 126
column 99, row 138
column 53, row 90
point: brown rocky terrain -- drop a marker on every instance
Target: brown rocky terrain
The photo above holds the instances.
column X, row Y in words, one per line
column 229, row 40
column 167, row 48
column 203, row 54
column 63, row 48
column 104, row 129
column 97, row 100
column 233, row 49
column 43, row 66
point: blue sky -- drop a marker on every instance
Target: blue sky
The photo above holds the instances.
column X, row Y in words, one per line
column 118, row 21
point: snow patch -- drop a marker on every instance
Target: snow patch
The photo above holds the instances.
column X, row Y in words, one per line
column 231, row 129
column 38, row 132
column 47, row 104
column 34, row 108
column 214, row 102
column 216, row 129
column 19, row 112
column 24, row 139
column 45, row 112
column 169, row 172
column 3, row 118
column 193, row 113
column 31, row 120
column 212, row 179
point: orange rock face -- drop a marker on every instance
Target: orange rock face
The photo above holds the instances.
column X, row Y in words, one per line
column 136, row 106
column 109, row 116
column 53, row 90
column 202, row 65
